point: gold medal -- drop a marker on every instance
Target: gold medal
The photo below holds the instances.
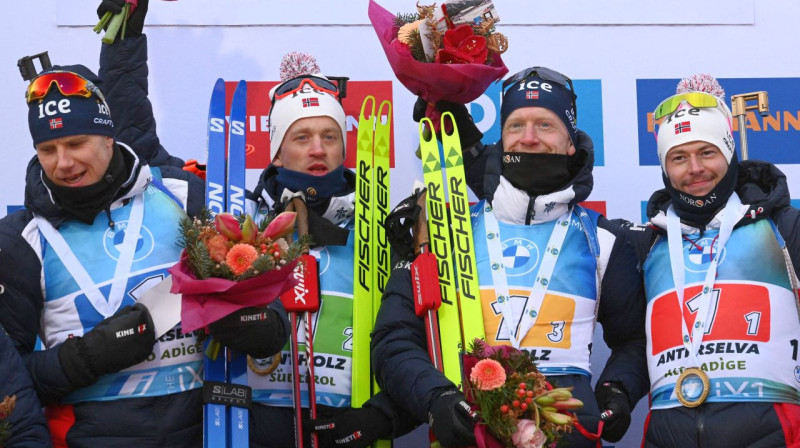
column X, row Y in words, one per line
column 264, row 366
column 692, row 387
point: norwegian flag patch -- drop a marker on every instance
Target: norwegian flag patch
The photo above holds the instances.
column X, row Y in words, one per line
column 682, row 127
column 532, row 95
column 56, row 123
column 311, row 102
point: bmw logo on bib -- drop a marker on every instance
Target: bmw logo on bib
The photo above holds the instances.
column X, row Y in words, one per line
column 701, row 253
column 520, row 256
column 113, row 238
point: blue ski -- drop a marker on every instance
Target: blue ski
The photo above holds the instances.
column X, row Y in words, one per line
column 237, row 362
column 214, row 415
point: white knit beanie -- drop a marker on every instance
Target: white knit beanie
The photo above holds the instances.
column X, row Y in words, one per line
column 305, row 102
column 688, row 124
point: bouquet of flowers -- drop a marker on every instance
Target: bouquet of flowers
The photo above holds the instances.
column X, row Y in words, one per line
column 6, row 408
column 439, row 58
column 229, row 263
column 115, row 23
column 519, row 408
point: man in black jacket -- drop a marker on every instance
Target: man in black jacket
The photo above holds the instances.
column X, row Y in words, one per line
column 719, row 262
column 532, row 179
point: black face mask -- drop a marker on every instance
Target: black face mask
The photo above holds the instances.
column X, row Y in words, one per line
column 698, row 211
column 84, row 203
column 537, row 174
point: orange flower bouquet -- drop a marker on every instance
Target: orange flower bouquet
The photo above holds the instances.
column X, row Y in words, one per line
column 229, row 263
column 518, row 407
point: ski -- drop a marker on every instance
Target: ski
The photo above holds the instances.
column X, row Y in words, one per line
column 439, row 234
column 469, row 299
column 379, row 242
column 238, row 421
column 214, row 415
column 361, row 380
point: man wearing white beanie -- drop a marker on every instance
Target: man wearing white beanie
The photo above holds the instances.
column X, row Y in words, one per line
column 307, row 149
column 718, row 262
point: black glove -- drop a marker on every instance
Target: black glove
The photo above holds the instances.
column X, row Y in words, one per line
column 135, row 21
column 615, row 410
column 452, row 420
column 259, row 332
column 118, row 342
column 467, row 131
column 354, row 428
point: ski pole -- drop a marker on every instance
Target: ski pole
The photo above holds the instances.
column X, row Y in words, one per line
column 303, row 298
column 740, row 108
column 425, row 279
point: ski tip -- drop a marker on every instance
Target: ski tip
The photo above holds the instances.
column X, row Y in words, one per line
column 453, row 127
column 368, row 100
column 425, row 133
column 388, row 112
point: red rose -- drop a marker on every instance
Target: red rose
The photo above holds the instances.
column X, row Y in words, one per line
column 462, row 46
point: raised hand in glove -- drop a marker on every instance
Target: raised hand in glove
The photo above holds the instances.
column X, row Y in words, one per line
column 354, row 428
column 118, row 342
column 467, row 131
column 615, row 410
column 135, row 23
column 260, row 332
column 452, row 420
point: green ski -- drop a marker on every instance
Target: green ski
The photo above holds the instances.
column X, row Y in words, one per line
column 362, row 279
column 469, row 297
column 439, row 233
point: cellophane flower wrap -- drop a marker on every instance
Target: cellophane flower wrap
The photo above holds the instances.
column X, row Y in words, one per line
column 229, row 263
column 464, row 66
column 518, row 407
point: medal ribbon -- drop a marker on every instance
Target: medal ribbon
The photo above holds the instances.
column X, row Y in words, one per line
column 731, row 216
column 540, row 286
column 105, row 307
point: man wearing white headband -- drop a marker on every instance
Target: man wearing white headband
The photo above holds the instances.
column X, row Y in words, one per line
column 718, row 263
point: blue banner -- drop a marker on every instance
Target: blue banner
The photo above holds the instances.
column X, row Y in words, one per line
column 772, row 137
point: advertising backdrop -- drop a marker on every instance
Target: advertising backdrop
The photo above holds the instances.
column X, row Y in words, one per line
column 625, row 56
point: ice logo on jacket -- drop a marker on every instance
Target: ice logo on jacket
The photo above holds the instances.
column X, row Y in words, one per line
column 520, row 256
column 113, row 238
column 701, row 253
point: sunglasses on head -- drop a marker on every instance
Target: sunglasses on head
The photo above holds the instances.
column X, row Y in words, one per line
column 695, row 99
column 540, row 72
column 68, row 83
column 296, row 84
column 545, row 74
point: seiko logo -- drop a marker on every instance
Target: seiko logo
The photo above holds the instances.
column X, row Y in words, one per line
column 698, row 202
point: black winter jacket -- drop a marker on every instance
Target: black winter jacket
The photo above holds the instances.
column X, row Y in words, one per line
column 399, row 354
column 763, row 188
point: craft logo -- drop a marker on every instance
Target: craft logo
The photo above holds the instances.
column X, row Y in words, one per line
column 113, row 241
column 258, row 126
column 520, row 256
column 768, row 136
column 485, row 111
